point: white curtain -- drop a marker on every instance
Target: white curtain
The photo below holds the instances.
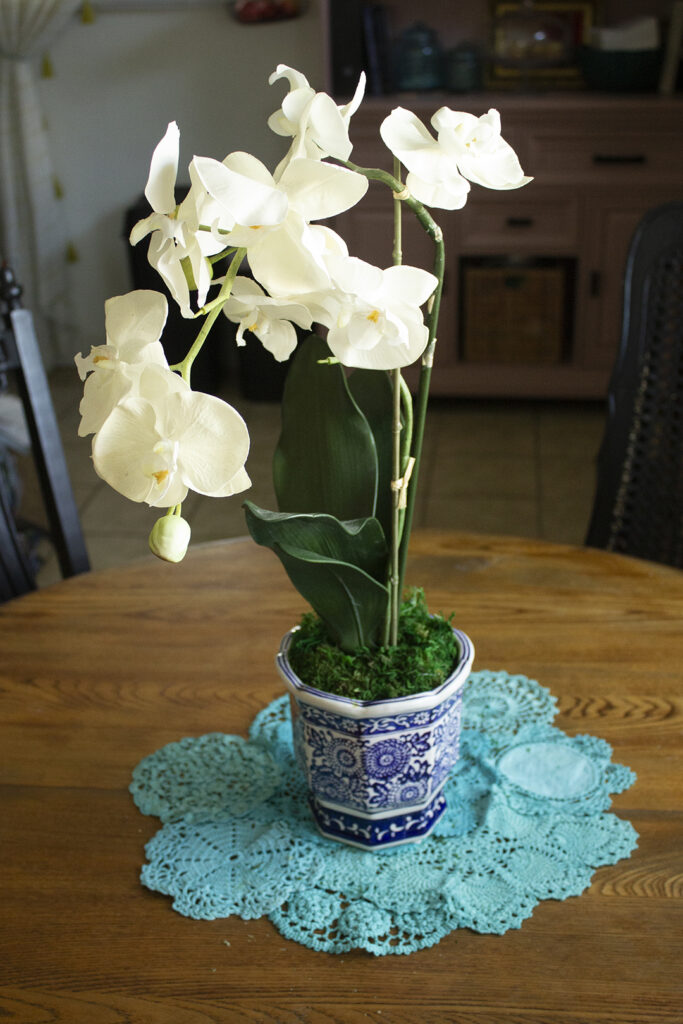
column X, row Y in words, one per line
column 33, row 234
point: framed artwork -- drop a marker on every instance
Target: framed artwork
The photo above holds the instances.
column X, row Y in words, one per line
column 673, row 52
column 539, row 41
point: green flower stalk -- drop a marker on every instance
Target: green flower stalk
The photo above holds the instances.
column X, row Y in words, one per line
column 408, row 488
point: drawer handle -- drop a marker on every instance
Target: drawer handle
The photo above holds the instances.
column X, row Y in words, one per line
column 519, row 222
column 619, row 158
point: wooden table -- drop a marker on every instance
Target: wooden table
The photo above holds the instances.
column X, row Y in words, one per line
column 99, row 671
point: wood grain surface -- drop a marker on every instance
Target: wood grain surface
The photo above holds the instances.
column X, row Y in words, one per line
column 103, row 669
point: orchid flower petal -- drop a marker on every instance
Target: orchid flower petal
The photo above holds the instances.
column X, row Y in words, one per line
column 352, row 106
column 296, row 108
column 164, row 258
column 317, row 190
column 352, row 274
column 132, row 456
column 382, row 354
column 296, row 79
column 445, row 195
column 278, row 337
column 154, row 222
column 328, row 242
column 408, row 139
column 328, row 127
column 135, row 320
column 247, row 200
column 249, row 166
column 212, row 436
column 160, row 188
column 235, row 485
column 101, row 393
column 286, row 260
column 154, row 383
column 408, row 285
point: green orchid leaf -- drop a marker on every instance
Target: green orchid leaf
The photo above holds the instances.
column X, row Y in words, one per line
column 360, row 542
column 373, row 393
column 352, row 604
column 326, row 459
column 336, row 567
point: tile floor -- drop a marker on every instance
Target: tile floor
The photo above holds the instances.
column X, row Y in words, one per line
column 523, row 468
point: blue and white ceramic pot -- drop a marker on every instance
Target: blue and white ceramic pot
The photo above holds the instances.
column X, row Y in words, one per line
column 376, row 769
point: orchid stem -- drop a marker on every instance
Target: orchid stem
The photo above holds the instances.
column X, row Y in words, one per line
column 394, row 569
column 211, row 310
column 402, row 195
column 399, row 453
column 423, row 398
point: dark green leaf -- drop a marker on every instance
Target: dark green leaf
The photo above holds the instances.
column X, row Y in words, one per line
column 373, row 393
column 325, row 460
column 360, row 542
column 336, row 567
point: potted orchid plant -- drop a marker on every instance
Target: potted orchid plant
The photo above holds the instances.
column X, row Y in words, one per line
column 375, row 679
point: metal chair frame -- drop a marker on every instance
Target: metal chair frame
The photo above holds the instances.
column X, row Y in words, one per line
column 20, row 356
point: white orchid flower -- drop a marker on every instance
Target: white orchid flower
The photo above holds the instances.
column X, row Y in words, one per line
column 175, row 230
column 240, row 190
column 374, row 317
column 133, row 326
column 286, row 256
column 482, row 155
column 270, row 319
column 318, row 126
column 182, row 237
column 323, row 305
column 186, row 440
column 468, row 149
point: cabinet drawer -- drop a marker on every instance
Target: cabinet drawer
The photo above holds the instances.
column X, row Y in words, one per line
column 605, row 157
column 504, row 220
column 514, row 315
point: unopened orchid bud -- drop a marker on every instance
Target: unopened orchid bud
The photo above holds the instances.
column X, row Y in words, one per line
column 169, row 538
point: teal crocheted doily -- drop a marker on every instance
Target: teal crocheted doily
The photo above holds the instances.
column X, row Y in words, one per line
column 526, row 821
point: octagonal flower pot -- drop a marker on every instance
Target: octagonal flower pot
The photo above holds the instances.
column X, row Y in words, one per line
column 376, row 769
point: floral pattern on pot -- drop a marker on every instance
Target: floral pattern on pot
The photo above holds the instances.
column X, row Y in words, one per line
column 375, row 769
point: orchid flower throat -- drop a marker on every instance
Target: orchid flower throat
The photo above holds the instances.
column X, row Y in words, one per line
column 163, row 465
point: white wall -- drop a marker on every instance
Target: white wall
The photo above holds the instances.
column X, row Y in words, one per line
column 119, row 81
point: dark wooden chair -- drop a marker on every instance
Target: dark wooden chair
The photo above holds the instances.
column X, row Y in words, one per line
column 638, row 507
column 20, row 357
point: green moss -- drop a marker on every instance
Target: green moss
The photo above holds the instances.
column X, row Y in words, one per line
column 423, row 658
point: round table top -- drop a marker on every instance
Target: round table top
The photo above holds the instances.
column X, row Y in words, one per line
column 101, row 670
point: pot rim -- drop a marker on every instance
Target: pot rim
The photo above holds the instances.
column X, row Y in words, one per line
column 358, row 709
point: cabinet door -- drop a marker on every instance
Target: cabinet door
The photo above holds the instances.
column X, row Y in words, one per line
column 610, row 220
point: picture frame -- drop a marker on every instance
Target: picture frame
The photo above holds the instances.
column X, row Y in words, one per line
column 549, row 61
column 673, row 52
